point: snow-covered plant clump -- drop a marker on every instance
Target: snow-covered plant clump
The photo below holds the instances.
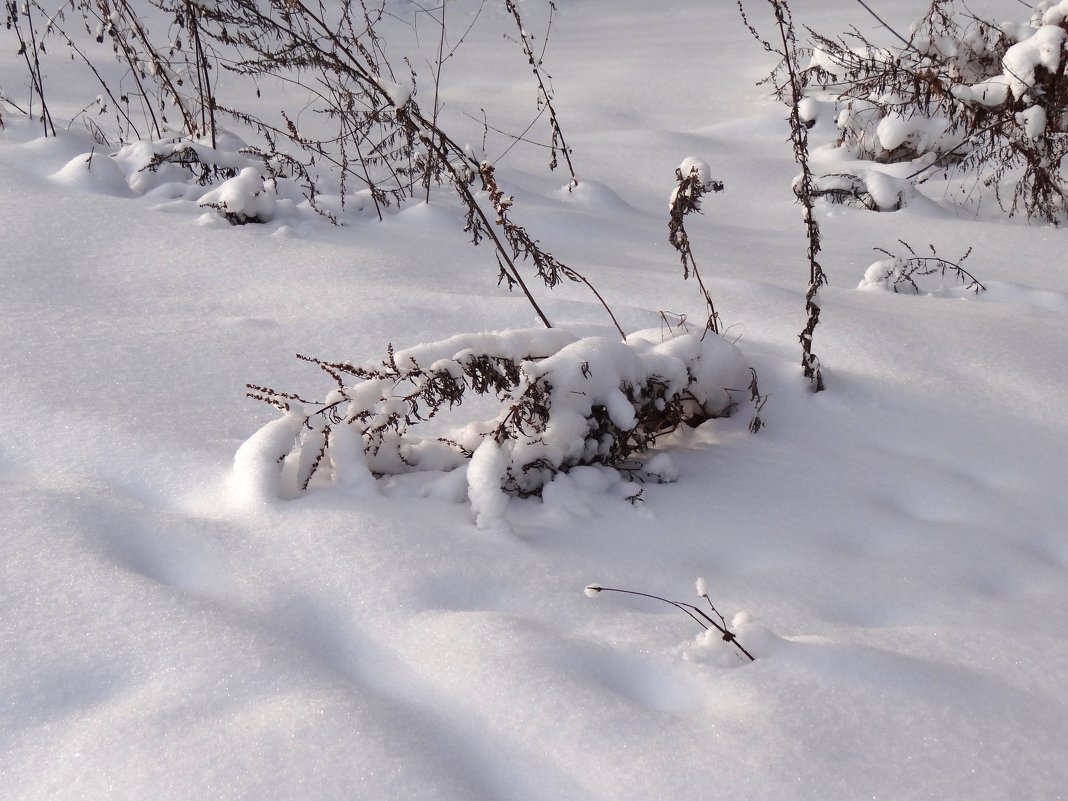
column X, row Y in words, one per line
column 558, row 401
column 870, row 189
column 898, row 273
column 986, row 102
column 245, row 198
column 242, row 183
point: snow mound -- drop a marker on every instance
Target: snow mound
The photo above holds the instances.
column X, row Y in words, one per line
column 94, row 172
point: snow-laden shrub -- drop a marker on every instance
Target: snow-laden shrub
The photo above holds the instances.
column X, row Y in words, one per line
column 248, row 197
column 894, row 104
column 241, row 183
column 872, row 190
column 558, row 401
column 178, row 160
column 898, row 273
column 963, row 94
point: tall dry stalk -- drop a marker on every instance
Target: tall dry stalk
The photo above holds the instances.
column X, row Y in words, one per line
column 787, row 50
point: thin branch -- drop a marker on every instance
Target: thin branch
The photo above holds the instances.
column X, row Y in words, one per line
column 694, row 612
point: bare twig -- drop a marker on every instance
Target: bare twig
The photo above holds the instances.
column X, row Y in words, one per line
column 545, row 95
column 695, row 612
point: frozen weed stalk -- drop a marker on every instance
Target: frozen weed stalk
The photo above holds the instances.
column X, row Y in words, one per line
column 695, row 612
column 557, row 144
column 19, row 17
column 791, row 90
column 693, row 179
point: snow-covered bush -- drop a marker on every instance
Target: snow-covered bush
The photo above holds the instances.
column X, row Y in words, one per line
column 559, row 401
column 898, row 273
column 872, row 190
column 149, row 164
column 245, row 198
column 241, row 183
column 963, row 94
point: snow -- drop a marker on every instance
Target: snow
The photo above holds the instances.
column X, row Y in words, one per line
column 992, row 92
column 1042, row 49
column 1033, row 121
column 246, row 196
column 257, row 472
column 485, row 479
column 1053, row 13
column 175, row 624
column 691, row 164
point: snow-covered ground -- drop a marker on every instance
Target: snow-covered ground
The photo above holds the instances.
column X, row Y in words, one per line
column 894, row 550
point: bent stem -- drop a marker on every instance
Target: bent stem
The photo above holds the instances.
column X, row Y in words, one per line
column 698, row 614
